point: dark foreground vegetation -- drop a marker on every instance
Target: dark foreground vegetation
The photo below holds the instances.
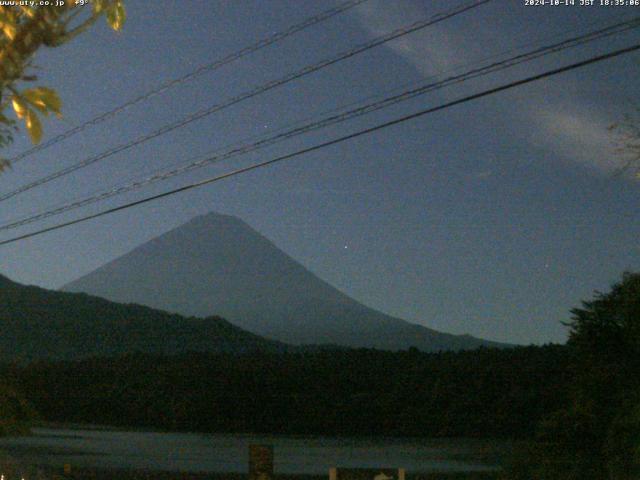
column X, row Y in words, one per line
column 595, row 434
column 15, row 412
column 485, row 392
column 577, row 404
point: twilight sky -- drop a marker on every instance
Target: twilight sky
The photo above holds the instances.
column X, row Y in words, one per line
column 492, row 218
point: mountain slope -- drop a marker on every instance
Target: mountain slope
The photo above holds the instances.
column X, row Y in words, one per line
column 217, row 264
column 44, row 324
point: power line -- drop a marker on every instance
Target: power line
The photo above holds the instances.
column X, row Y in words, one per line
column 333, row 119
column 335, row 141
column 210, row 67
column 247, row 95
column 301, row 122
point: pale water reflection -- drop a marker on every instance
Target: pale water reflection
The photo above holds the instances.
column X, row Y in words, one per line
column 228, row 452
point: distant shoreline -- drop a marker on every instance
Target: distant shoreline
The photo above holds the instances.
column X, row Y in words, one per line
column 151, row 429
column 83, row 473
column 63, row 448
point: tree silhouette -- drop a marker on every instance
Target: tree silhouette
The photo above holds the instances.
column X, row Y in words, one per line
column 24, row 30
column 596, row 435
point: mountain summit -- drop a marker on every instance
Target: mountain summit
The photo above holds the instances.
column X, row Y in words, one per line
column 218, row 265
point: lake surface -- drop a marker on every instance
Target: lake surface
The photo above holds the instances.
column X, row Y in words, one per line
column 228, row 453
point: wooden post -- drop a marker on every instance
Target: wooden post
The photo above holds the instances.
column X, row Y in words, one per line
column 260, row 462
column 367, row 473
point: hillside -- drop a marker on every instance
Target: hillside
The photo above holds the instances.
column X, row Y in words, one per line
column 217, row 264
column 480, row 393
column 44, row 324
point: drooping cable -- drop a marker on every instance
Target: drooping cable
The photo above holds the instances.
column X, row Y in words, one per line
column 335, row 141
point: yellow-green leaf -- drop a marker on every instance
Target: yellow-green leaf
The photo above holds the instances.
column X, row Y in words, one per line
column 34, row 127
column 36, row 100
column 8, row 15
column 28, row 11
column 44, row 99
column 98, row 6
column 9, row 30
column 52, row 100
column 18, row 106
column 116, row 15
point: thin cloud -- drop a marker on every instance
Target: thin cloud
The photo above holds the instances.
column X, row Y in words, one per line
column 429, row 51
column 577, row 134
column 566, row 128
